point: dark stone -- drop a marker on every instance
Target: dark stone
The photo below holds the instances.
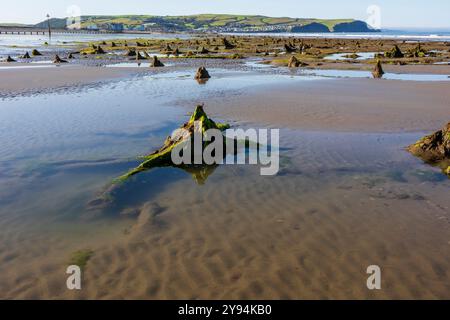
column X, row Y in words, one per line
column 156, row 63
column 202, row 73
column 378, row 70
column 59, row 60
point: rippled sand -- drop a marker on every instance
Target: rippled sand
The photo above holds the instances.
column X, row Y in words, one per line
column 342, row 201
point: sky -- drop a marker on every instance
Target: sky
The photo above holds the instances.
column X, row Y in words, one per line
column 393, row 13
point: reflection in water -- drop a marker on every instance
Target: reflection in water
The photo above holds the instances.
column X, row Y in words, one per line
column 126, row 193
column 200, row 173
column 352, row 56
column 367, row 74
column 202, row 81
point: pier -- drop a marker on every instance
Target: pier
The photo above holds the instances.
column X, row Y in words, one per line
column 44, row 31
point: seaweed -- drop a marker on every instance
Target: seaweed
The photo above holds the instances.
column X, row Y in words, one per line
column 36, row 53
column 295, row 63
column 395, row 52
column 162, row 157
column 434, row 149
column 80, row 258
column 351, row 56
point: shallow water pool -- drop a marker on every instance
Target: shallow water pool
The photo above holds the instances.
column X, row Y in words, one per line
column 340, row 202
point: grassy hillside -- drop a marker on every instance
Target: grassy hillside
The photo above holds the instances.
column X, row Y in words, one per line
column 21, row 25
column 202, row 22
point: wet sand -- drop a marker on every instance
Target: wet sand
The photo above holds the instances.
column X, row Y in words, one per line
column 25, row 77
column 346, row 197
column 345, row 104
column 364, row 105
column 242, row 236
column 407, row 69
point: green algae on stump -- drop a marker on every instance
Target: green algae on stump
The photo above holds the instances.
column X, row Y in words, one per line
column 434, row 148
column 80, row 258
column 394, row 53
column 295, row 63
column 93, row 50
column 351, row 56
column 417, row 52
column 162, row 157
column 99, row 50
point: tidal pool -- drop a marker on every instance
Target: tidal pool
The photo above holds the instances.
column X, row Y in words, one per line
column 367, row 74
column 344, row 56
column 340, row 202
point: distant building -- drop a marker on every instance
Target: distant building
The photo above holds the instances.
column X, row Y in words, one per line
column 116, row 27
column 139, row 28
column 92, row 26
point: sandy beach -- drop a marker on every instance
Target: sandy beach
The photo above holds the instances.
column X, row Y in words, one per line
column 24, row 78
column 347, row 196
column 363, row 105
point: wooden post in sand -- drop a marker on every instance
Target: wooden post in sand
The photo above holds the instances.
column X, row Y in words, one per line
column 49, row 29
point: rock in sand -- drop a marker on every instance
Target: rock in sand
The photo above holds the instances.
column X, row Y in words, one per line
column 228, row 44
column 36, row 53
column 434, row 149
column 202, row 74
column 58, row 60
column 156, row 62
column 378, row 70
column 289, row 48
column 295, row 63
column 394, row 53
column 203, row 50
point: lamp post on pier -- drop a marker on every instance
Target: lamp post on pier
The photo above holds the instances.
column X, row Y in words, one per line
column 49, row 29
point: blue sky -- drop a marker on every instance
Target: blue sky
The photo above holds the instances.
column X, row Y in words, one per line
column 394, row 13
